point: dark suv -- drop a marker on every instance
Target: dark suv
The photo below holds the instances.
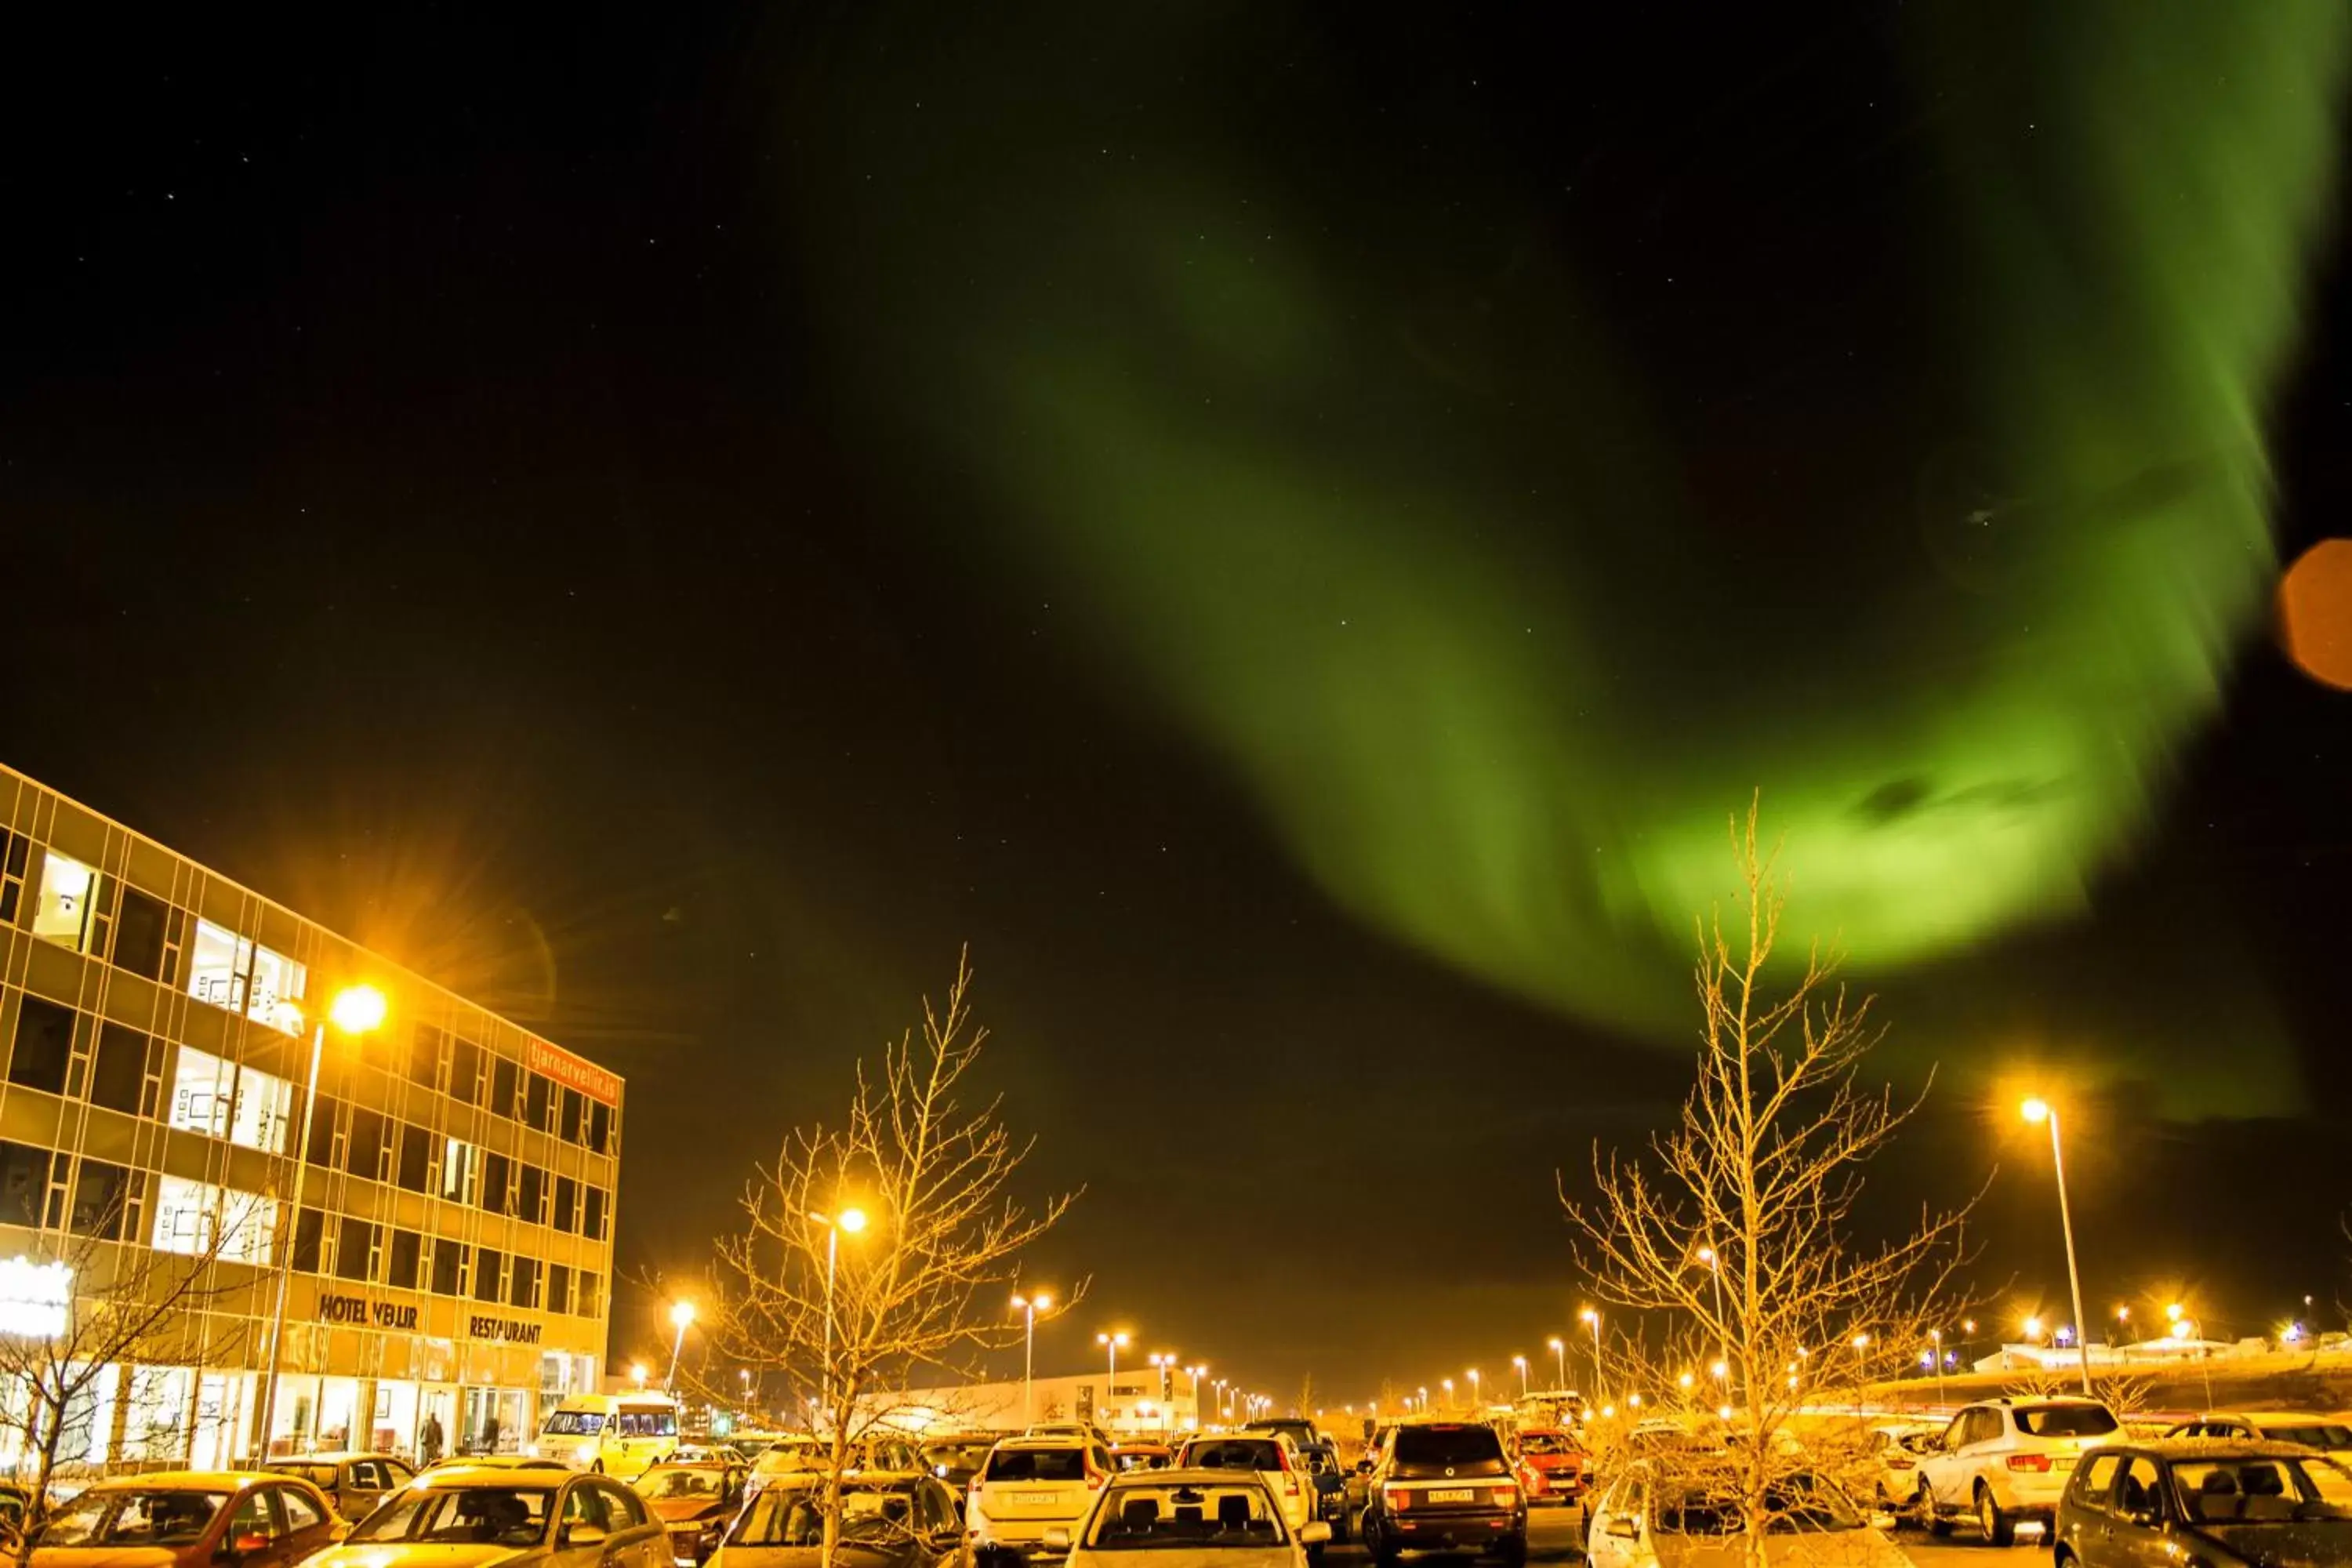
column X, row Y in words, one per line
column 1444, row 1486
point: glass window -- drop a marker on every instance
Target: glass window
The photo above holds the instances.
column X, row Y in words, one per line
column 44, row 1045
column 407, row 1252
column 600, row 1126
column 497, row 1177
column 424, row 1057
column 2098, row 1479
column 566, row 1217
column 310, row 1236
column 139, row 921
column 446, row 1257
column 569, row 1129
column 354, row 1249
column 505, row 1084
column 2066, row 1420
column 466, row 1071
column 189, row 1213
column 531, row 1193
column 13, row 852
column 101, row 1198
column 302, row 1514
column 277, row 986
column 538, row 1096
column 475, row 1517
column 67, row 898
column 522, row 1282
column 119, row 1078
column 586, row 1298
column 321, row 1151
column 24, row 1183
column 364, row 1145
column 230, row 970
column 489, row 1274
column 202, row 1087
column 592, row 1224
column 458, row 1163
column 416, row 1158
column 2141, row 1488
column 559, row 1288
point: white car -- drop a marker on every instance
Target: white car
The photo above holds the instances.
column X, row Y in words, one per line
column 1031, row 1485
column 1268, row 1454
column 1663, row 1517
column 1226, row 1514
column 2331, row 1435
column 2004, row 1461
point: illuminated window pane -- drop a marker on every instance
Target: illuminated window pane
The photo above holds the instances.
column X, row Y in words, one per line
column 61, row 914
column 202, row 1085
column 276, row 991
column 188, row 1213
column 457, row 1161
column 218, row 964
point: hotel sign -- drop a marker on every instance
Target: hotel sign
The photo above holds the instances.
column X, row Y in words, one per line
column 571, row 1072
column 374, row 1314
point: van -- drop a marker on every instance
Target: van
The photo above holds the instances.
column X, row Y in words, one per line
column 622, row 1434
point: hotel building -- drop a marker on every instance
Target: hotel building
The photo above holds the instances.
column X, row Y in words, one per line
column 451, row 1259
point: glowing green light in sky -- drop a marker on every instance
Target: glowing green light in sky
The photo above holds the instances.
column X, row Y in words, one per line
column 1482, row 673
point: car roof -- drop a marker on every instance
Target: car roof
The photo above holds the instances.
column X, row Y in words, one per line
column 337, row 1457
column 189, row 1480
column 2271, row 1417
column 537, row 1472
column 693, row 1465
column 1047, row 1440
column 2213, row 1448
column 1192, row 1475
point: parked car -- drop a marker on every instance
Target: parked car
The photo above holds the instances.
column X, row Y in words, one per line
column 894, row 1521
column 1030, row 1485
column 189, row 1518
column 694, row 1502
column 2001, row 1461
column 1444, row 1486
column 1890, row 1461
column 2223, row 1502
column 2328, row 1434
column 1655, row 1516
column 524, row 1518
column 1299, row 1429
column 1271, row 1457
column 619, row 1435
column 1329, row 1480
column 1550, row 1467
column 956, row 1458
column 493, row 1462
column 1190, row 1516
column 1135, row 1455
column 803, row 1457
column 354, row 1483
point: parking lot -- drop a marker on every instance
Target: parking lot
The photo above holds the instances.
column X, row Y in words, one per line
column 1556, row 1535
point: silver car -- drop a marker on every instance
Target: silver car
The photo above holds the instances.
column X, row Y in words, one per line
column 1677, row 1516
column 1176, row 1515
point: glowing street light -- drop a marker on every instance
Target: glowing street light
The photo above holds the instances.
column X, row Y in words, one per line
column 1447, row 1383
column 1590, row 1320
column 1029, row 1306
column 681, row 1315
column 355, row 1010
column 1559, row 1349
column 637, row 1373
column 1521, row 1363
column 1474, row 1388
column 2038, row 1110
column 2032, row 1331
column 1112, row 1341
column 852, row 1221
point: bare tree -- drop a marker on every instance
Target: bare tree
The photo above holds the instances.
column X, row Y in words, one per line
column 1735, row 1232
column 115, row 1303
column 918, row 1288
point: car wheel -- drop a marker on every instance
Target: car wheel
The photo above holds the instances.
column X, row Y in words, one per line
column 1999, row 1529
column 1923, row 1508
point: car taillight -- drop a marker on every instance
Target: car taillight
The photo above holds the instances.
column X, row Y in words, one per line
column 2029, row 1462
column 1506, row 1496
column 1900, row 1464
column 1398, row 1502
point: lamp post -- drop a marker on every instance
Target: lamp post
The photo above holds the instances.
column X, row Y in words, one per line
column 356, row 1010
column 1029, row 1306
column 1111, row 1341
column 1715, row 1274
column 1196, row 1373
column 852, row 1220
column 1861, row 1370
column 1165, row 1362
column 637, row 1373
column 1474, row 1391
column 1447, row 1383
column 1521, row 1363
column 2040, row 1110
column 1935, row 1349
column 1591, row 1320
column 681, row 1315
column 1560, row 1350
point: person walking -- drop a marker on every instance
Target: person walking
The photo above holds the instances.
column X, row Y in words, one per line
column 428, row 1439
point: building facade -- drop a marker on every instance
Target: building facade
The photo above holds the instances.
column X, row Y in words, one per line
column 451, row 1257
column 1144, row 1401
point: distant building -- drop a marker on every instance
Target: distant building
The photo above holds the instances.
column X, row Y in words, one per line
column 452, row 1258
column 1141, row 1402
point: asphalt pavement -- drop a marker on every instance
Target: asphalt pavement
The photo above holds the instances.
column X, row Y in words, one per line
column 1557, row 1535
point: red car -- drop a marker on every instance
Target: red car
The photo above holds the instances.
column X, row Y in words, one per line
column 1551, row 1466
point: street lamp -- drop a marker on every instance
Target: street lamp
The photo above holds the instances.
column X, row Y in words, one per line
column 1111, row 1341
column 2032, row 1331
column 852, row 1220
column 1936, row 1348
column 1196, row 1373
column 1521, row 1363
column 1165, row 1362
column 2038, row 1110
column 1559, row 1349
column 1447, row 1383
column 1722, row 1329
column 356, row 1010
column 1591, row 1320
column 1474, row 1390
column 1029, row 1306
column 637, row 1373
column 681, row 1315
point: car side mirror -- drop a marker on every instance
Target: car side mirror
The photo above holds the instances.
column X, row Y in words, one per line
column 583, row 1534
column 1621, row 1527
column 1314, row 1533
column 1057, row 1537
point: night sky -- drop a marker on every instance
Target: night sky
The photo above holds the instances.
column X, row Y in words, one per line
column 1287, row 530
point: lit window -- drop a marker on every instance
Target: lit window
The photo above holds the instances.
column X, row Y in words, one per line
column 232, row 972
column 212, row 1097
column 457, row 1162
column 61, row 914
column 188, row 1213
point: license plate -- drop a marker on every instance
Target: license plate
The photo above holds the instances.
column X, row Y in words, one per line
column 2064, row 1462
column 1454, row 1494
column 1035, row 1499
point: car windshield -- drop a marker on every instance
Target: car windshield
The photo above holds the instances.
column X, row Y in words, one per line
column 957, row 1457
column 134, row 1519
column 1185, row 1518
column 2271, row 1489
column 658, row 1423
column 1450, row 1449
column 1234, row 1454
column 1799, row 1504
column 1036, row 1465
column 573, row 1424
column 678, row 1481
column 2064, row 1420
column 1547, row 1443
column 786, row 1457
column 472, row 1516
column 793, row 1519
column 2314, row 1436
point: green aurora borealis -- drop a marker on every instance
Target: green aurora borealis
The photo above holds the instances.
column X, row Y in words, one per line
column 1416, row 564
